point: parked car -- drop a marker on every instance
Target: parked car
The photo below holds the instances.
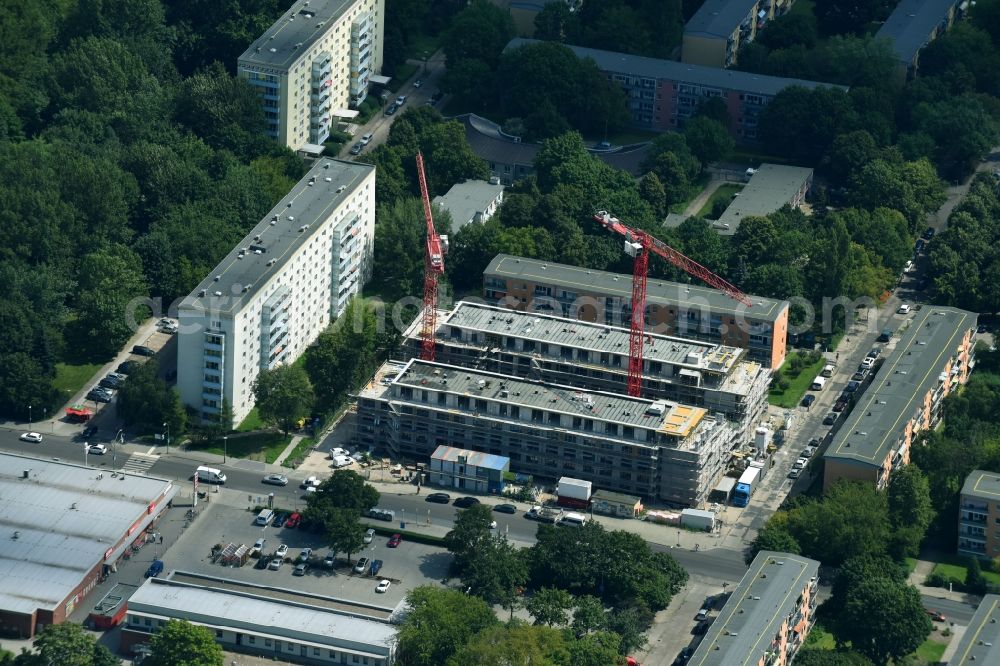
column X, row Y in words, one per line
column 366, row 138
column 258, row 545
column 275, row 480
column 361, row 565
column 391, row 109
column 437, row 97
column 505, row 508
column 369, row 535
column 88, row 432
column 293, row 521
column 935, row 615
column 167, row 325
column 401, row 100
column 300, row 569
column 860, row 375
column 702, row 614
column 840, row 406
column 356, row 149
column 383, row 586
column 100, row 396
column 794, row 473
column 395, row 540
column 97, row 449
column 683, row 656
column 31, row 437
column 830, row 418
column 279, row 519
column 807, row 452
column 381, row 514
column 143, row 350
column 328, row 561
column 282, row 551
column 262, row 562
column 337, row 452
column 305, row 554
column 800, row 463
column 928, row 233
column 808, row 400
column 439, row 498
column 466, row 502
column 903, row 309
column 155, row 569
column 418, row 83
column 275, row 563
column 128, row 367
column 852, row 386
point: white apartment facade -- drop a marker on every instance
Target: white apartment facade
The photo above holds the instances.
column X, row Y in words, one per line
column 315, row 64
column 276, row 291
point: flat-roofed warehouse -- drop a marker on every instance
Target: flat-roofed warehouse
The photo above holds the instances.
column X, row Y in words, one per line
column 595, row 356
column 672, row 308
column 653, row 449
column 62, row 526
column 932, row 358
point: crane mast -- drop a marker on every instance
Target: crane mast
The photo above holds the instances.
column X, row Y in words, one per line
column 638, row 244
column 434, row 251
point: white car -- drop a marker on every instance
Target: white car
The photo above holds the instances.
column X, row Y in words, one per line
column 97, row 449
column 258, row 545
column 342, row 461
column 369, row 535
column 493, row 524
column 800, row 463
column 794, row 474
column 903, row 309
column 311, row 482
column 281, row 552
column 868, row 362
column 338, row 452
column 304, row 555
column 418, row 83
column 383, row 586
column 31, row 437
column 367, row 138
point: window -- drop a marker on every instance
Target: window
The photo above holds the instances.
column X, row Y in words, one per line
column 251, row 639
column 218, row 633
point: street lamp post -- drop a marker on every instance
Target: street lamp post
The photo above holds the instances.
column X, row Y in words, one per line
column 30, row 420
column 225, row 447
column 167, row 426
column 86, row 452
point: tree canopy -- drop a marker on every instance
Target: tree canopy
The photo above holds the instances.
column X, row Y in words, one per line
column 284, row 395
column 180, row 643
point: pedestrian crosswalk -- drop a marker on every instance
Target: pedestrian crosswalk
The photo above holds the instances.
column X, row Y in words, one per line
column 139, row 463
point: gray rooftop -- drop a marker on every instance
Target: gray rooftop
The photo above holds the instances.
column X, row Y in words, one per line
column 465, row 200
column 728, row 79
column 65, row 517
column 980, row 644
column 676, row 420
column 658, row 292
column 770, row 188
column 762, row 601
column 910, row 25
column 909, row 372
column 719, row 18
column 292, row 34
column 565, row 332
column 244, row 271
column 268, row 617
column 982, row 485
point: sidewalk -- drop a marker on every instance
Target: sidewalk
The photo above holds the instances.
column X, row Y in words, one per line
column 919, row 575
column 700, row 200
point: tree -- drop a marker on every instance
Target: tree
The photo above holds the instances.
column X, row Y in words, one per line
column 840, row 16
column 478, row 32
column 884, row 619
column 774, row 535
column 495, row 570
column 66, row 643
column 222, row 109
column 855, row 571
column 552, row 21
column 181, row 643
column 910, row 509
column 848, row 154
column 629, row 624
column 801, row 122
column 975, row 581
column 109, row 280
column 550, row 606
column 652, row 190
column 146, row 402
column 597, row 649
column 471, row 530
column 344, row 532
column 346, row 489
column 708, row 139
column 283, row 395
column 788, row 30
column 439, row 623
column 821, row 657
column 501, row 645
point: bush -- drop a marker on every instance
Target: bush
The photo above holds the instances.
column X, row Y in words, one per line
column 938, row 579
column 718, row 208
column 784, row 384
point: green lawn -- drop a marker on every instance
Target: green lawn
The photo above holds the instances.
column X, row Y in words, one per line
column 819, row 638
column 423, row 46
column 261, row 446
column 802, row 7
column 955, row 567
column 695, row 190
column 911, row 564
column 71, row 378
column 725, row 193
column 299, row 451
column 251, row 422
column 930, row 651
column 797, row 386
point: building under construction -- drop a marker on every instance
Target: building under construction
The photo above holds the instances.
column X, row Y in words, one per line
column 592, row 356
column 656, row 449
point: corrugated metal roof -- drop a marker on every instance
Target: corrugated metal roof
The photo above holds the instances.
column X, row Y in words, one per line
column 473, row 458
column 57, row 524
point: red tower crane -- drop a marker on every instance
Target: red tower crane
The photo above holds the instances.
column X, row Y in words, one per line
column 638, row 243
column 433, row 268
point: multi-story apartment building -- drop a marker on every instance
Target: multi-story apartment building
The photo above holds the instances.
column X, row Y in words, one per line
column 682, row 310
column 663, row 94
column 932, row 358
column 979, row 515
column 768, row 616
column 595, row 357
column 717, row 31
column 315, row 64
column 654, row 449
column 289, row 278
column 980, row 643
column 916, row 23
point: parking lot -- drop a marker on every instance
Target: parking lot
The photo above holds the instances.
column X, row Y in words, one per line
column 407, row 566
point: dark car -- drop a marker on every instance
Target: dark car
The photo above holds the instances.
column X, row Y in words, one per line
column 852, row 386
column 701, row 627
column 885, row 335
column 466, row 502
column 279, row 519
column 395, row 540
column 88, row 432
column 505, row 508
column 155, row 569
column 814, row 443
column 391, row 109
column 99, row 396
column 436, row 97
column 356, row 149
column 928, row 233
column 128, row 367
column 683, row 656
column 143, row 350
column 845, row 395
column 859, row 376
column 830, row 419
column 875, row 352
column 110, row 382
column 439, row 498
column 981, row 329
column 919, row 247
column 808, row 400
column 262, row 562
column 840, row 406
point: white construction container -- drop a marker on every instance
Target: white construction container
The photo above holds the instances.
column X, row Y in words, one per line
column 698, row 519
column 577, row 489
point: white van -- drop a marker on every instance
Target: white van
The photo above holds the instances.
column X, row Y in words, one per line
column 572, row 519
column 828, row 370
column 210, row 475
column 818, row 384
column 264, row 517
